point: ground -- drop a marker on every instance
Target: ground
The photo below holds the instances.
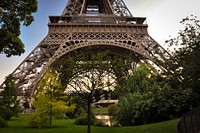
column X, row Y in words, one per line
column 18, row 125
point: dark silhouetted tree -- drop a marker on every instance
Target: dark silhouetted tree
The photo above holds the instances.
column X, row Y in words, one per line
column 12, row 13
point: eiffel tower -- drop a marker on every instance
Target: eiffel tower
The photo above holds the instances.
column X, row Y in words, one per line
column 102, row 24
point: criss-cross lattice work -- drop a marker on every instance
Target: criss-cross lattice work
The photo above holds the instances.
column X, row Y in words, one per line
column 83, row 24
column 109, row 7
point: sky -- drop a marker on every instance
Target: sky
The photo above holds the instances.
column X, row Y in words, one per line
column 163, row 19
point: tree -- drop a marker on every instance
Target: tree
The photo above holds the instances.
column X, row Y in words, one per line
column 46, row 110
column 184, row 63
column 139, row 81
column 147, row 98
column 12, row 13
column 9, row 97
column 137, row 90
column 50, row 102
column 90, row 75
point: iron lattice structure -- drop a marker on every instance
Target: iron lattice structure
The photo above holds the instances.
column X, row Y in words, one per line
column 103, row 24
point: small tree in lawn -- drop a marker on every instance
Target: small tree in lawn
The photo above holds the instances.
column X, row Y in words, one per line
column 91, row 76
column 48, row 102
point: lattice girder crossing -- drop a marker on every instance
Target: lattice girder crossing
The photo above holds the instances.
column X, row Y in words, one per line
column 108, row 7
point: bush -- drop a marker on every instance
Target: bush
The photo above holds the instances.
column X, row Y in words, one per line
column 82, row 120
column 5, row 113
column 3, row 123
column 39, row 120
column 149, row 107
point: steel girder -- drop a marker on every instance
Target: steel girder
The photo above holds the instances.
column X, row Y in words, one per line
column 76, row 7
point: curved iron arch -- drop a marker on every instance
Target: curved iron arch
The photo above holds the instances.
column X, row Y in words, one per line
column 65, row 50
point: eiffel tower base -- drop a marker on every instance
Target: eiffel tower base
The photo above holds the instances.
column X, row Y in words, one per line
column 111, row 28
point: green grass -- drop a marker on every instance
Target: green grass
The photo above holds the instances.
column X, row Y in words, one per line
column 100, row 110
column 17, row 125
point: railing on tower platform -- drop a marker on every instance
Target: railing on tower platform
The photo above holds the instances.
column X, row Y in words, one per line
column 190, row 123
column 97, row 20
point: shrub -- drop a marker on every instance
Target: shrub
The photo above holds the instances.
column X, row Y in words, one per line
column 3, row 123
column 39, row 120
column 145, row 108
column 82, row 120
column 5, row 113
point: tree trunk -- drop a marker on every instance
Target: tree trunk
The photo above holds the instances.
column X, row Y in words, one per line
column 88, row 116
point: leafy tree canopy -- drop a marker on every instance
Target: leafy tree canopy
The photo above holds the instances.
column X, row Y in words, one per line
column 185, row 60
column 50, row 102
column 146, row 98
column 12, row 13
column 90, row 75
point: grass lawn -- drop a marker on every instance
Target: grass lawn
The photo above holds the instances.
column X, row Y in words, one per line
column 100, row 110
column 17, row 125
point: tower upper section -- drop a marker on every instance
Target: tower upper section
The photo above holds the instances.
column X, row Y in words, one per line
column 96, row 12
column 96, row 7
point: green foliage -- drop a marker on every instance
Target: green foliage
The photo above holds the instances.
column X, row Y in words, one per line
column 50, row 103
column 127, row 110
column 48, row 83
column 47, row 110
column 86, row 73
column 173, row 102
column 41, row 117
column 80, row 106
column 60, row 109
column 5, row 113
column 61, row 104
column 12, row 13
column 3, row 123
column 184, row 63
column 83, row 120
column 137, row 108
column 9, row 96
column 10, row 44
column 156, row 101
column 90, row 75
column 140, row 81
column 39, row 120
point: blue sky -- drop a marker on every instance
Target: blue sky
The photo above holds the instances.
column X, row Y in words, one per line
column 163, row 17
